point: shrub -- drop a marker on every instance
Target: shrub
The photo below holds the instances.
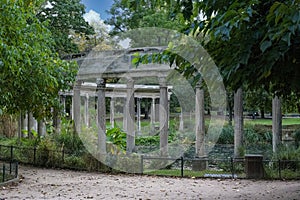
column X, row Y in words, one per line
column 74, row 162
column 68, row 139
column 297, row 138
column 117, row 137
column 227, row 135
column 47, row 154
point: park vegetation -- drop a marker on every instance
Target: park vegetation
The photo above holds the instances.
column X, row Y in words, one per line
column 255, row 45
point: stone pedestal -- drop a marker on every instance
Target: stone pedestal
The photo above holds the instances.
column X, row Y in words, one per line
column 254, row 166
column 199, row 163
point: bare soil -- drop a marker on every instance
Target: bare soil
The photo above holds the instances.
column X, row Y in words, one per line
column 36, row 183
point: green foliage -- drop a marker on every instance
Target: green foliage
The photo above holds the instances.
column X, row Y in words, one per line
column 117, row 137
column 148, row 140
column 64, row 17
column 74, row 162
column 268, row 35
column 227, row 135
column 47, row 155
column 67, row 139
column 297, row 138
column 254, row 43
column 287, row 153
column 128, row 15
column 31, row 74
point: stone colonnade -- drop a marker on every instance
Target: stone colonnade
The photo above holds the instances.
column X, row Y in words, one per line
column 29, row 123
column 129, row 94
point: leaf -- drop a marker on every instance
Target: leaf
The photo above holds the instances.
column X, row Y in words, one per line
column 265, row 45
column 296, row 17
column 287, row 38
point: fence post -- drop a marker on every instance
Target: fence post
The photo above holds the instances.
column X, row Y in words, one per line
column 11, row 153
column 279, row 168
column 142, row 164
column 10, row 167
column 182, row 162
column 17, row 169
column 63, row 154
column 34, row 155
column 3, row 173
column 232, row 167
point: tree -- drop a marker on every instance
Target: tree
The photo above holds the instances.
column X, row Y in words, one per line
column 64, row 19
column 258, row 100
column 132, row 15
column 31, row 74
column 253, row 42
column 100, row 40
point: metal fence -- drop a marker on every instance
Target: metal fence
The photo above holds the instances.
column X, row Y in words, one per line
column 8, row 171
column 181, row 167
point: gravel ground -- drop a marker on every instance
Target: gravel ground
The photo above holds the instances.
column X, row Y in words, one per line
column 39, row 183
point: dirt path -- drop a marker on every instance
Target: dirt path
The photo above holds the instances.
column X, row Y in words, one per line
column 64, row 184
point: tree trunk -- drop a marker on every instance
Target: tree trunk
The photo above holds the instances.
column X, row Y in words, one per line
column 238, row 123
column 230, row 114
column 262, row 113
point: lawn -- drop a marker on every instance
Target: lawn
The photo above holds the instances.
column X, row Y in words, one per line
column 285, row 121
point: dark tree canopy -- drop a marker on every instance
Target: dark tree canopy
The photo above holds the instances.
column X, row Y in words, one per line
column 64, row 17
column 31, row 73
column 253, row 42
column 129, row 15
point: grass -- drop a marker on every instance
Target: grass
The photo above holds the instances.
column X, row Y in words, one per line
column 268, row 122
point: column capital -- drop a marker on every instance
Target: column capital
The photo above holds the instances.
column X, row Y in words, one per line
column 162, row 81
column 78, row 84
column 199, row 83
column 100, row 83
column 130, row 82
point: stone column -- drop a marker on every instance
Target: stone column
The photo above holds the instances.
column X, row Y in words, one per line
column 20, row 126
column 157, row 109
column 276, row 123
column 24, row 123
column 86, row 110
column 130, row 117
column 181, row 125
column 153, row 111
column 163, row 116
column 112, row 112
column 63, row 102
column 41, row 128
column 72, row 108
column 56, row 118
column 238, row 123
column 76, row 102
column 168, row 111
column 139, row 115
column 101, row 114
column 124, row 115
column 30, row 124
column 200, row 123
